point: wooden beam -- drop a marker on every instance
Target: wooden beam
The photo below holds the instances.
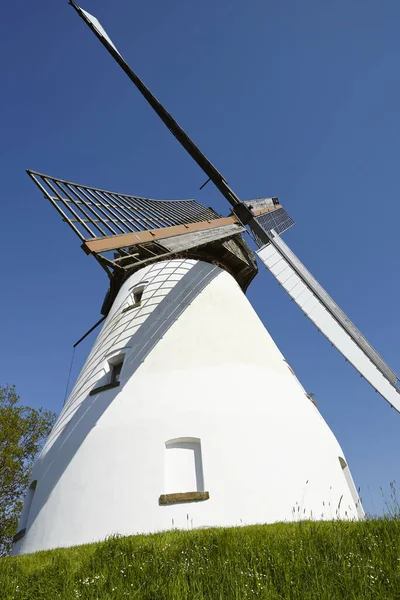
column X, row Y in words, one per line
column 113, row 242
column 262, row 211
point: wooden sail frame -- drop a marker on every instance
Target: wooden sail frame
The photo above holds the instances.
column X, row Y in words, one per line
column 125, row 233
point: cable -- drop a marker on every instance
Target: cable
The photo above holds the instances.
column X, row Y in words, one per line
column 69, row 374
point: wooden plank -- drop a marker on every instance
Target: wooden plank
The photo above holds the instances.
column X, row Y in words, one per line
column 113, row 242
column 262, row 211
column 195, row 239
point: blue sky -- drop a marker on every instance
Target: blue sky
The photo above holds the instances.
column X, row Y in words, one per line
column 294, row 99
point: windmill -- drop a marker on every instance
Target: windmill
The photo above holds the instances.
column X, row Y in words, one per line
column 185, row 413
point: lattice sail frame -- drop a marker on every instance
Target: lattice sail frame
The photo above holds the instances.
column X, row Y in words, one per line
column 124, row 231
column 94, row 213
column 118, row 219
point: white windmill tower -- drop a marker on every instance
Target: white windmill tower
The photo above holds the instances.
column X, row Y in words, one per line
column 185, row 413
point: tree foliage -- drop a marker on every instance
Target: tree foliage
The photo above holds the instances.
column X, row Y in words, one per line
column 23, row 431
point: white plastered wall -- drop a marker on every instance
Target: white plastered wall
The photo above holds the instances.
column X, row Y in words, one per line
column 198, row 365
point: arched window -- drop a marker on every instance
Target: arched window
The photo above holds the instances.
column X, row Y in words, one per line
column 25, row 512
column 115, row 365
column 183, row 466
column 137, row 293
column 352, row 487
column 112, row 378
column 289, row 367
column 184, row 477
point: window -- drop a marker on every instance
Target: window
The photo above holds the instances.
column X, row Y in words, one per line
column 183, row 466
column 114, row 375
column 289, row 367
column 352, row 487
column 184, row 479
column 137, row 293
column 115, row 372
column 25, row 512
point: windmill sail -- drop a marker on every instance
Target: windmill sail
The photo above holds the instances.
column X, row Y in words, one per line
column 315, row 302
column 124, row 233
column 97, row 28
column 212, row 173
column 277, row 257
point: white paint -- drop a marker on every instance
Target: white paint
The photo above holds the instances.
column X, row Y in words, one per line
column 99, row 28
column 319, row 315
column 199, row 365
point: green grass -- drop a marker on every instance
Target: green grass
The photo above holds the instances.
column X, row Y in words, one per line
column 305, row 560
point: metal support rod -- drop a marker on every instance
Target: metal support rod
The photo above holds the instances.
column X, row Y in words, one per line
column 88, row 332
column 204, row 184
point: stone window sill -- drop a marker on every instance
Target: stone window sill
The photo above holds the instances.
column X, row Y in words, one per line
column 103, row 388
column 166, row 499
column 20, row 534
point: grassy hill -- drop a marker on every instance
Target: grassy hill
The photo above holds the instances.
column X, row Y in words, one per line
column 304, row 560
